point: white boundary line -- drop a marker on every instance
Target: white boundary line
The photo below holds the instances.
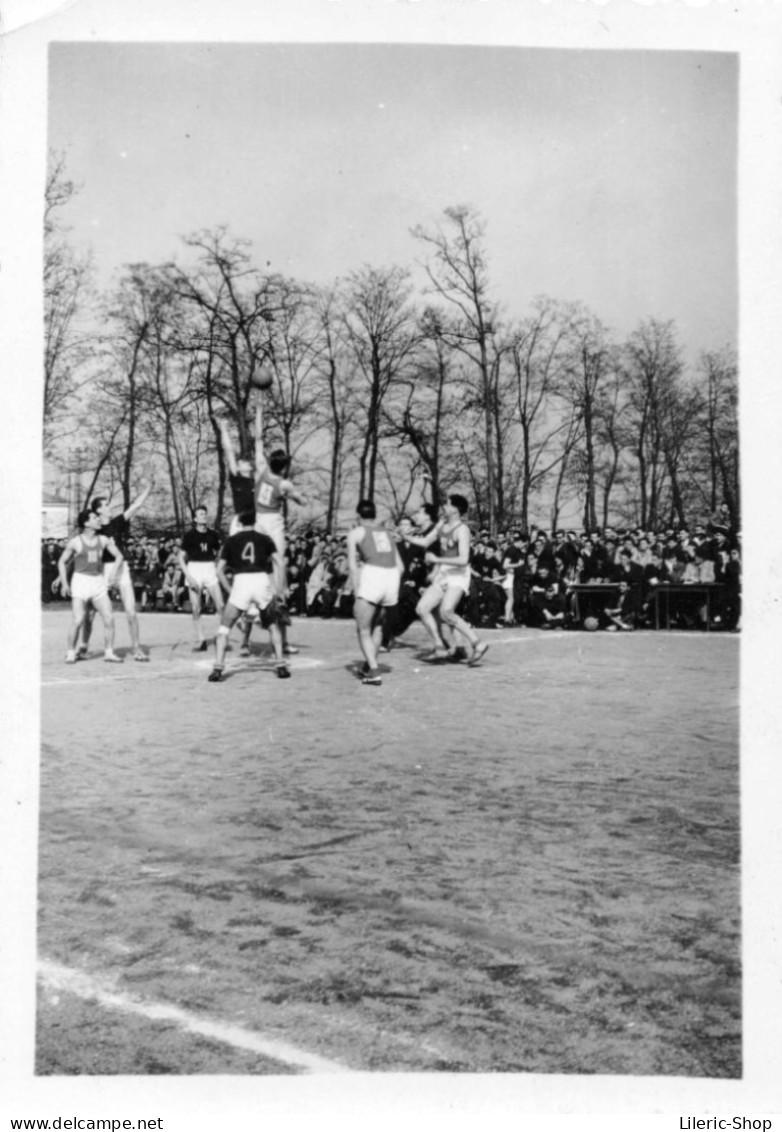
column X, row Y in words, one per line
column 57, row 977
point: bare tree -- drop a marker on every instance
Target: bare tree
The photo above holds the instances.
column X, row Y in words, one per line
column 718, row 381
column 382, row 334
column 458, row 272
column 539, row 352
column 652, row 367
column 66, row 283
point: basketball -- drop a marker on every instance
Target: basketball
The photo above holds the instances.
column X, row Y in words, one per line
column 590, row 624
column 262, row 380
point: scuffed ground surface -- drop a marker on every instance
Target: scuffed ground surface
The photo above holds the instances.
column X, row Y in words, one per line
column 532, row 866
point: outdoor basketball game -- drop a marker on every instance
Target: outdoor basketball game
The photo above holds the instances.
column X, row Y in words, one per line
column 324, row 457
column 528, row 866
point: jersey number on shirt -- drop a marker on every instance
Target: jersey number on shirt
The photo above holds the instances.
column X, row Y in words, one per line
column 265, row 494
column 382, row 541
column 248, row 553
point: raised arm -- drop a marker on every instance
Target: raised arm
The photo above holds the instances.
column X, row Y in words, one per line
column 424, row 540
column 139, row 502
column 260, row 455
column 228, row 448
column 353, row 561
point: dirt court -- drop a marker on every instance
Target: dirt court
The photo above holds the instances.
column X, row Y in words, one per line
column 532, row 866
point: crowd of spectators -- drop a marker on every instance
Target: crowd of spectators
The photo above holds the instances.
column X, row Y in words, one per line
column 520, row 577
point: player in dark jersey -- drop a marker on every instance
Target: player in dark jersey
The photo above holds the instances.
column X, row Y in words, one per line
column 375, row 571
column 117, row 571
column 249, row 555
column 241, row 479
column 198, row 560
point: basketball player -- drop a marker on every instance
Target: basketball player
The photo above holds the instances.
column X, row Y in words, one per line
column 375, row 571
column 450, row 580
column 272, row 488
column 116, row 570
column 241, row 479
column 88, row 583
column 197, row 558
column 250, row 556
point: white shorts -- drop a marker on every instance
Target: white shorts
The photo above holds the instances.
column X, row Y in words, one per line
column 89, row 587
column 378, row 585
column 204, row 573
column 271, row 523
column 447, row 576
column 248, row 588
column 123, row 577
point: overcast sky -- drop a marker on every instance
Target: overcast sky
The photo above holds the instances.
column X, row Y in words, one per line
column 608, row 177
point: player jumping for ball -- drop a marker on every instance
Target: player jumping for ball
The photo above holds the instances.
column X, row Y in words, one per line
column 375, row 570
column 241, row 479
column 450, row 581
column 272, row 489
column 250, row 556
column 197, row 557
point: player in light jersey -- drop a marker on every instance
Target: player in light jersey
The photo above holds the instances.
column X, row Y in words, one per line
column 250, row 556
column 197, row 558
column 272, row 489
column 450, row 581
column 117, row 571
column 88, row 583
column 375, row 571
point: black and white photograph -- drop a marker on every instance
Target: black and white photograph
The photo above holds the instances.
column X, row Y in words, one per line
column 398, row 394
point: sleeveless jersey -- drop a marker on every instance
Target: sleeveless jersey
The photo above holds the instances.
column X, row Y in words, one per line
column 117, row 528
column 449, row 542
column 248, row 552
column 242, row 493
column 89, row 557
column 376, row 547
column 268, row 497
column 201, row 546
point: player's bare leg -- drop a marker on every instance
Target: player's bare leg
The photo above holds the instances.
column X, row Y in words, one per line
column 428, row 602
column 195, row 609
column 104, row 608
column 128, row 598
column 450, row 617
column 78, row 615
column 281, row 667
column 369, row 632
column 229, row 618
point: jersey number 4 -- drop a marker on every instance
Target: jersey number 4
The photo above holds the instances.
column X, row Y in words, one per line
column 248, row 553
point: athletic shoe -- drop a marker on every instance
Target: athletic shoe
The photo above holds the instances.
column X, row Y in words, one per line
column 283, row 672
column 244, row 650
column 71, row 657
column 81, row 652
column 141, row 657
column 372, row 677
column 202, row 646
column 112, row 658
column 478, row 653
column 290, row 650
column 215, row 676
